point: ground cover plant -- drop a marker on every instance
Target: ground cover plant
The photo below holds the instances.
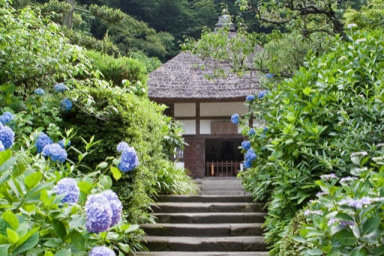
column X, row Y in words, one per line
column 311, row 124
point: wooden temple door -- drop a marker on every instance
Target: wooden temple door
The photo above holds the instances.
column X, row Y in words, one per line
column 194, row 156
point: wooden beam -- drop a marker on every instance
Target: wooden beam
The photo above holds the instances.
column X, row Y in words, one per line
column 197, row 118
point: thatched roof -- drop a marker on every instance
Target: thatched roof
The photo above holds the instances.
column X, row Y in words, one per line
column 183, row 79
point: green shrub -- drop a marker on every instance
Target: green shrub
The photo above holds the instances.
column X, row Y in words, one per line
column 348, row 217
column 38, row 220
column 171, row 180
column 118, row 69
column 332, row 107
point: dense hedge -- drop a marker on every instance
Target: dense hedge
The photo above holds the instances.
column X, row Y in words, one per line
column 332, row 107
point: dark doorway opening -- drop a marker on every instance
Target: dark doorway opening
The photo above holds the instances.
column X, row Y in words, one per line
column 222, row 157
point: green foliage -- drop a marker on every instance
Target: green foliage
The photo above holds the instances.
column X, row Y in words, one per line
column 34, row 221
column 131, row 35
column 305, row 17
column 26, row 63
column 329, row 109
column 118, row 69
column 347, row 218
column 108, row 14
column 89, row 42
column 369, row 17
column 171, row 180
column 289, row 245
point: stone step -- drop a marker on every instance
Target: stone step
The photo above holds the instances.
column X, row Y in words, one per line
column 224, row 193
column 257, row 217
column 179, row 253
column 205, row 199
column 195, row 244
column 205, row 207
column 206, row 230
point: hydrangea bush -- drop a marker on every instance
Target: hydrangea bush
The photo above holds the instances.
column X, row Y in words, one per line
column 330, row 108
column 51, row 209
column 347, row 217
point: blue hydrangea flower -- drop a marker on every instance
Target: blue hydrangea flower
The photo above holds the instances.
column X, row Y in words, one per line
column 246, row 144
column 122, row 146
column 265, row 130
column 250, row 155
column 61, row 143
column 247, row 164
column 7, row 136
column 69, row 187
column 101, row 251
column 262, row 94
column 55, row 152
column 39, row 91
column 250, row 98
column 129, row 160
column 60, row 87
column 99, row 214
column 235, row 118
column 66, row 104
column 41, row 141
column 115, row 205
column 269, row 75
column 2, row 148
column 6, row 117
column 251, row 132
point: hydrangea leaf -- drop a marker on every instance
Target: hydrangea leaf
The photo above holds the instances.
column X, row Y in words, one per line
column 11, row 219
column 27, row 242
column 59, row 228
column 33, row 179
column 116, row 173
column 105, row 181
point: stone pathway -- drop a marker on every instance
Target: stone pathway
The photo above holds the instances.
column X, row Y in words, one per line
column 222, row 221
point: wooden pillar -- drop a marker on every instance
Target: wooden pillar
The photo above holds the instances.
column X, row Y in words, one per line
column 198, row 119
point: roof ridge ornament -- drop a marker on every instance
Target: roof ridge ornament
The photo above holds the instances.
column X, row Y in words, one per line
column 225, row 20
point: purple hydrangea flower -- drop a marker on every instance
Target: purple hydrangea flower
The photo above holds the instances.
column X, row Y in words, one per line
column 2, row 148
column 6, row 117
column 331, row 221
column 250, row 98
column 346, row 223
column 246, row 144
column 7, row 136
column 41, row 141
column 328, row 176
column 99, row 214
column 122, row 146
column 235, row 118
column 251, row 132
column 60, row 87
column 61, row 143
column 39, row 91
column 269, row 75
column 66, row 104
column 115, row 205
column 69, row 187
column 55, row 152
column 247, row 164
column 101, row 251
column 262, row 94
column 346, row 179
column 250, row 155
column 308, row 212
column 129, row 160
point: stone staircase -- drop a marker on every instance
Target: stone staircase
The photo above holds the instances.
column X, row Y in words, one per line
column 222, row 221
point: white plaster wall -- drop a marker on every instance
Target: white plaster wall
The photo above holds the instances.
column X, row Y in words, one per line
column 185, row 109
column 179, row 165
column 222, row 108
column 189, row 126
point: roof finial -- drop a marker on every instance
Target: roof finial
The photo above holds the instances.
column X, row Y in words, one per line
column 225, row 20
